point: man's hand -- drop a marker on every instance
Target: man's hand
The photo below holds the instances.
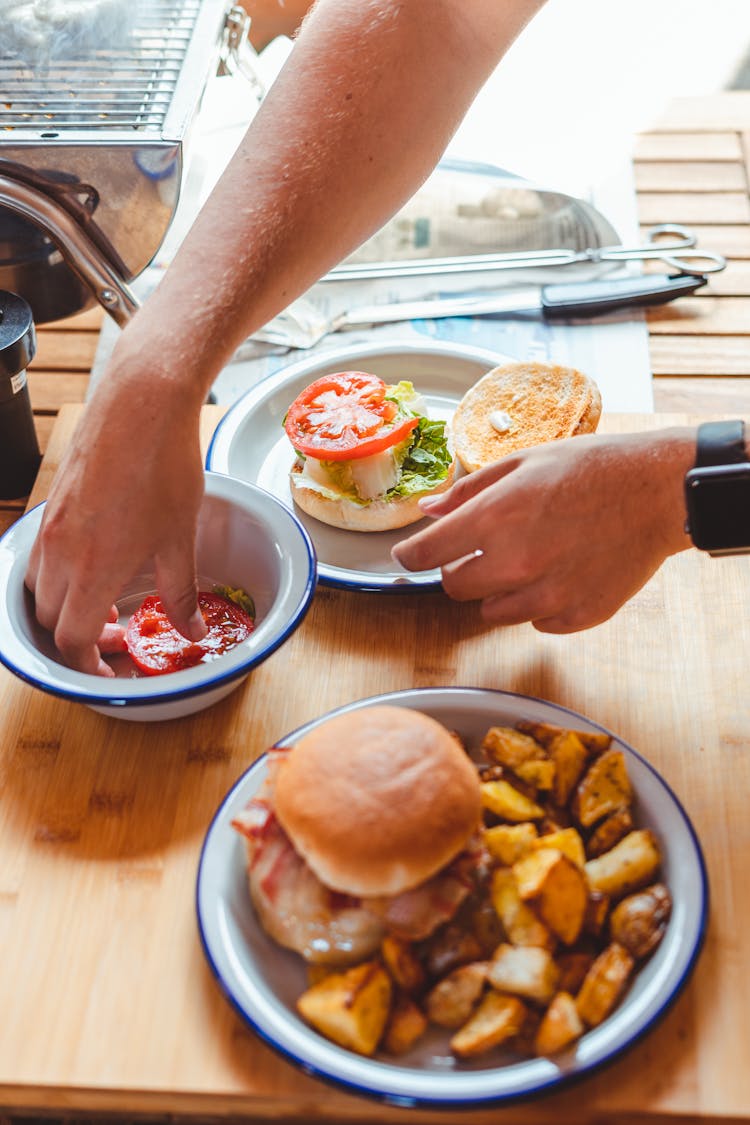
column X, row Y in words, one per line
column 562, row 534
column 126, row 496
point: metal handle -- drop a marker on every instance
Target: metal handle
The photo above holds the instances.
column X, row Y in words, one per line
column 238, row 56
column 78, row 250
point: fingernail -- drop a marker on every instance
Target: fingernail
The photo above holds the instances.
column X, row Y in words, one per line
column 197, row 626
column 105, row 670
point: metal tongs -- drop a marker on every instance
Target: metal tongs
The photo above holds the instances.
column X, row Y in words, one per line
column 670, row 243
column 303, row 324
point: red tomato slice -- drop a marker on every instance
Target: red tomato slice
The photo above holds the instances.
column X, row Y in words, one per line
column 156, row 647
column 345, row 416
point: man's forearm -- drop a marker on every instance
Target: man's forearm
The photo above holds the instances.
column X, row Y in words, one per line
column 357, row 119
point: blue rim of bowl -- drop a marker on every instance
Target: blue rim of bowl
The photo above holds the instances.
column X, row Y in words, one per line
column 327, row 576
column 124, row 702
column 558, row 1081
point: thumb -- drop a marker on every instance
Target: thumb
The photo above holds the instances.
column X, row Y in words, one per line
column 178, row 589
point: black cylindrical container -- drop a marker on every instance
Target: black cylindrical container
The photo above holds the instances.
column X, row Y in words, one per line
column 19, row 448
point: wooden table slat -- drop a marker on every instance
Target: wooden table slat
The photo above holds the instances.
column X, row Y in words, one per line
column 65, row 351
column 701, row 316
column 702, row 207
column 675, row 354
column 705, row 176
column 660, row 147
column 730, row 239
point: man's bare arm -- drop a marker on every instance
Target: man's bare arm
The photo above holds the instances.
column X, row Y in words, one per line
column 357, row 119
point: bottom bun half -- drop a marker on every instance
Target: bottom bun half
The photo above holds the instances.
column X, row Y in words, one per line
column 378, row 515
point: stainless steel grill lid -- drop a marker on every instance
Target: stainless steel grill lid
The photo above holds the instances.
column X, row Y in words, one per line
column 96, row 120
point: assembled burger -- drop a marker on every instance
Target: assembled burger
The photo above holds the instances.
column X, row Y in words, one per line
column 365, row 452
column 368, row 825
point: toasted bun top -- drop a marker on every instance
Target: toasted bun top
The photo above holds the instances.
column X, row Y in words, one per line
column 377, row 800
column 531, row 403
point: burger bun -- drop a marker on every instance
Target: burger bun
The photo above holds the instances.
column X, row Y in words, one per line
column 377, row 800
column 377, row 515
column 518, row 405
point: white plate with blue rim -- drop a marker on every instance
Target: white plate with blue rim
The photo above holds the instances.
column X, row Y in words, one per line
column 262, row 981
column 250, row 444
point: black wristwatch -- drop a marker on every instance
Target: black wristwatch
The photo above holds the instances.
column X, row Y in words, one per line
column 717, row 490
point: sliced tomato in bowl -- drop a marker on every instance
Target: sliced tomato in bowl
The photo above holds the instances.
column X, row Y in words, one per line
column 156, row 647
column 344, row 416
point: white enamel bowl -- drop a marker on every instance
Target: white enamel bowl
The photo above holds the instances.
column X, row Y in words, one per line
column 246, row 538
column 250, row 444
column 263, row 981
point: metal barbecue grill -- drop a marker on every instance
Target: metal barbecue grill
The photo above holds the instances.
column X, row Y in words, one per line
column 93, row 149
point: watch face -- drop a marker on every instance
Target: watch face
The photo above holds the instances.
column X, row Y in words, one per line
column 718, row 504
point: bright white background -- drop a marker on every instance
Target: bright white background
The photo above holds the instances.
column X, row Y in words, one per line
column 586, row 75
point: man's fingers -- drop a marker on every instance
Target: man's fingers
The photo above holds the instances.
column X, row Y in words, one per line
column 49, row 589
column 112, row 639
column 470, row 578
column 441, row 503
column 533, row 602
column 81, row 656
column 178, row 588
column 449, row 539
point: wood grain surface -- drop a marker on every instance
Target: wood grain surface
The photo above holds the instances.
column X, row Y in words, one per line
column 107, row 1002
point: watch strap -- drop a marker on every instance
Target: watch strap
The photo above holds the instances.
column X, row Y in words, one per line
column 720, row 443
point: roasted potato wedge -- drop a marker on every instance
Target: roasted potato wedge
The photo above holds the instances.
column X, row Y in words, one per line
column 522, row 926
column 609, row 832
column 556, row 887
column 500, row 798
column 497, row 1019
column 569, row 756
column 508, row 842
column 604, row 984
column 351, row 1008
column 638, row 922
column 596, row 742
column 627, row 867
column 604, row 788
column 452, row 1000
column 566, row 840
column 406, row 1024
column 509, row 747
column 561, row 1025
column 540, row 774
column 529, row 972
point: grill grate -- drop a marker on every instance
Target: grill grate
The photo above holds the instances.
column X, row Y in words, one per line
column 127, row 88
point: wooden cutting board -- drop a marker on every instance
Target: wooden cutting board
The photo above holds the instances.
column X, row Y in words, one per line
column 106, row 1001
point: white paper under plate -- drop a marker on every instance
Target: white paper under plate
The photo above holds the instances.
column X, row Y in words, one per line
column 250, row 444
column 263, row 981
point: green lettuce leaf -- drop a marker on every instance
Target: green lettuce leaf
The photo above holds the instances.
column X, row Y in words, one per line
column 427, row 459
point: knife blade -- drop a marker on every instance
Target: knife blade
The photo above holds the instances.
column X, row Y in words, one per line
column 298, row 329
column 570, row 299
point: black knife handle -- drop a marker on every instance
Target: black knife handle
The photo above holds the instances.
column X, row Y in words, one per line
column 590, row 298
